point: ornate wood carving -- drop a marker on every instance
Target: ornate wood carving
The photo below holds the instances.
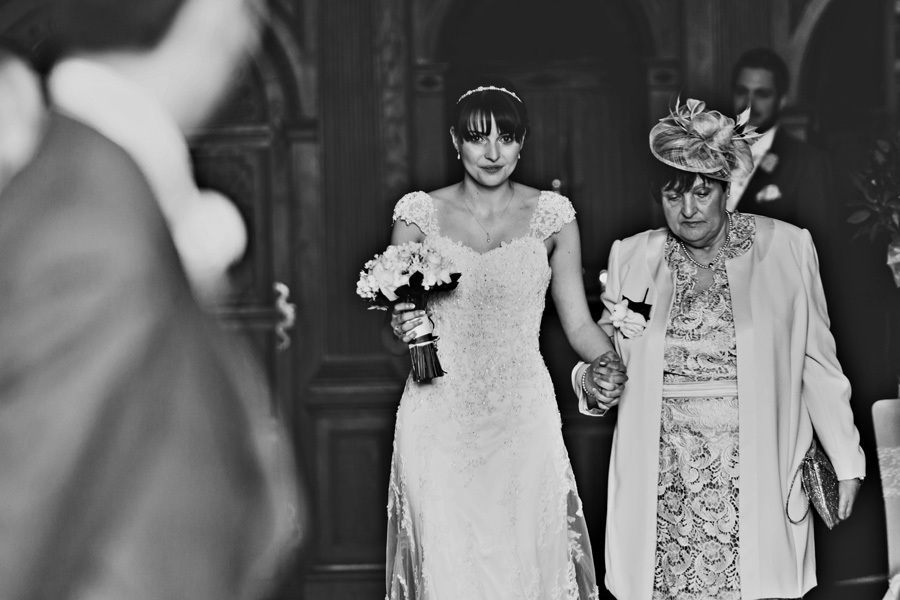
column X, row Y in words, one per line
column 663, row 19
column 428, row 18
column 30, row 25
column 801, row 37
column 362, row 85
column 287, row 69
column 393, row 66
column 247, row 102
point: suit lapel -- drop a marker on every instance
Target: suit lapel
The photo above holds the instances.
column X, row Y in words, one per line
column 761, row 178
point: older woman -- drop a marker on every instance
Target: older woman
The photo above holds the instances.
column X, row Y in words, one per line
column 721, row 321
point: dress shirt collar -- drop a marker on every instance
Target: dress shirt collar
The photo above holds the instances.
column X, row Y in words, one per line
column 759, row 149
column 762, row 145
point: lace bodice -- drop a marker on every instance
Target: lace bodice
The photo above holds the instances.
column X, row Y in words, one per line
column 489, row 325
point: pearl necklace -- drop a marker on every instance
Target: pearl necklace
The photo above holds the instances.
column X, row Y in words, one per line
column 718, row 254
column 487, row 232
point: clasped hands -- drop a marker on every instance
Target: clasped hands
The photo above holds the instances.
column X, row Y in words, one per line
column 604, row 380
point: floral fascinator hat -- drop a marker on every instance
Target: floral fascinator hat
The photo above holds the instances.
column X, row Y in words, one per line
column 704, row 141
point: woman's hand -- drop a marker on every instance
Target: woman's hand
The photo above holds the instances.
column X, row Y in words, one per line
column 847, row 491
column 605, row 379
column 404, row 318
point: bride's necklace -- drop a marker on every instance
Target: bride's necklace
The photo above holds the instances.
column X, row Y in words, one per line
column 487, row 232
column 694, row 261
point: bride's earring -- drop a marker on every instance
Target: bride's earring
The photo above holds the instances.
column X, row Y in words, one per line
column 457, row 156
column 519, row 157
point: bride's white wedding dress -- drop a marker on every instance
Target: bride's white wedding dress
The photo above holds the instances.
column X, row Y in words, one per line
column 482, row 502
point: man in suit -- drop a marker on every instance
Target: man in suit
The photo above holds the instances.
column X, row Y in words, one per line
column 138, row 458
column 791, row 179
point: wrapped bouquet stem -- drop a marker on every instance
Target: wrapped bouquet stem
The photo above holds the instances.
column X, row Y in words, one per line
column 410, row 272
column 423, row 347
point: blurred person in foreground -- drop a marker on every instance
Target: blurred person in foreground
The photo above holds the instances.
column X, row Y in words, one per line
column 732, row 368
column 23, row 111
column 138, row 455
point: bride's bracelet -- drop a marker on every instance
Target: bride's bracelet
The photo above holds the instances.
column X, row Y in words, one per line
column 603, row 405
column 584, row 387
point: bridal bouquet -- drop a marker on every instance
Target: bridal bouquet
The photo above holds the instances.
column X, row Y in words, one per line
column 410, row 272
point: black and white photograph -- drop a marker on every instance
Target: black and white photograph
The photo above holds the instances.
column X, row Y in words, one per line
column 449, row 300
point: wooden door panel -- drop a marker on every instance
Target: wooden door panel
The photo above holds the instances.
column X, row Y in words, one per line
column 351, row 483
column 343, row 585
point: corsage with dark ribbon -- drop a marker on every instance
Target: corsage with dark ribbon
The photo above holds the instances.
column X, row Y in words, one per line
column 410, row 272
column 631, row 317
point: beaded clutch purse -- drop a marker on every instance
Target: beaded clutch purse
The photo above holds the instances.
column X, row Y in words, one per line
column 820, row 483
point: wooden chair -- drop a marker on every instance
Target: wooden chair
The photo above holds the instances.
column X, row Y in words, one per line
column 886, row 416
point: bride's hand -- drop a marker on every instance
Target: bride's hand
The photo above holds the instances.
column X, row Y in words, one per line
column 606, row 378
column 404, row 318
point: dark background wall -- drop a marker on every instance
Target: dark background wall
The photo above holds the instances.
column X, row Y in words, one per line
column 344, row 111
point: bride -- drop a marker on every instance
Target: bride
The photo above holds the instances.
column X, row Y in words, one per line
column 482, row 501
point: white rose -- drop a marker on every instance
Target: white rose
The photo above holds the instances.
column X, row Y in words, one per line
column 619, row 312
column 384, row 279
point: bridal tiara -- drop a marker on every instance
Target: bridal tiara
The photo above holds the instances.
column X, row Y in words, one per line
column 488, row 88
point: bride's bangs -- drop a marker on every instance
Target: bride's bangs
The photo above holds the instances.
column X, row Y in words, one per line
column 478, row 124
column 477, row 121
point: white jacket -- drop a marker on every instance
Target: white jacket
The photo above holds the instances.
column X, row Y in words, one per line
column 789, row 382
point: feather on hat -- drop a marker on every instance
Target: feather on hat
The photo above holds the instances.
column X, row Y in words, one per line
column 697, row 140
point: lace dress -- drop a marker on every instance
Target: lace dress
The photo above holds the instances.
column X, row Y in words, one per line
column 697, row 494
column 482, row 501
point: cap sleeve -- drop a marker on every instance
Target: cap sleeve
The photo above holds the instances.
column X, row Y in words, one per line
column 553, row 212
column 416, row 208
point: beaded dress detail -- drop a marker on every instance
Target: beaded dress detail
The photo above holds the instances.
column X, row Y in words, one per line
column 482, row 503
column 697, row 492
